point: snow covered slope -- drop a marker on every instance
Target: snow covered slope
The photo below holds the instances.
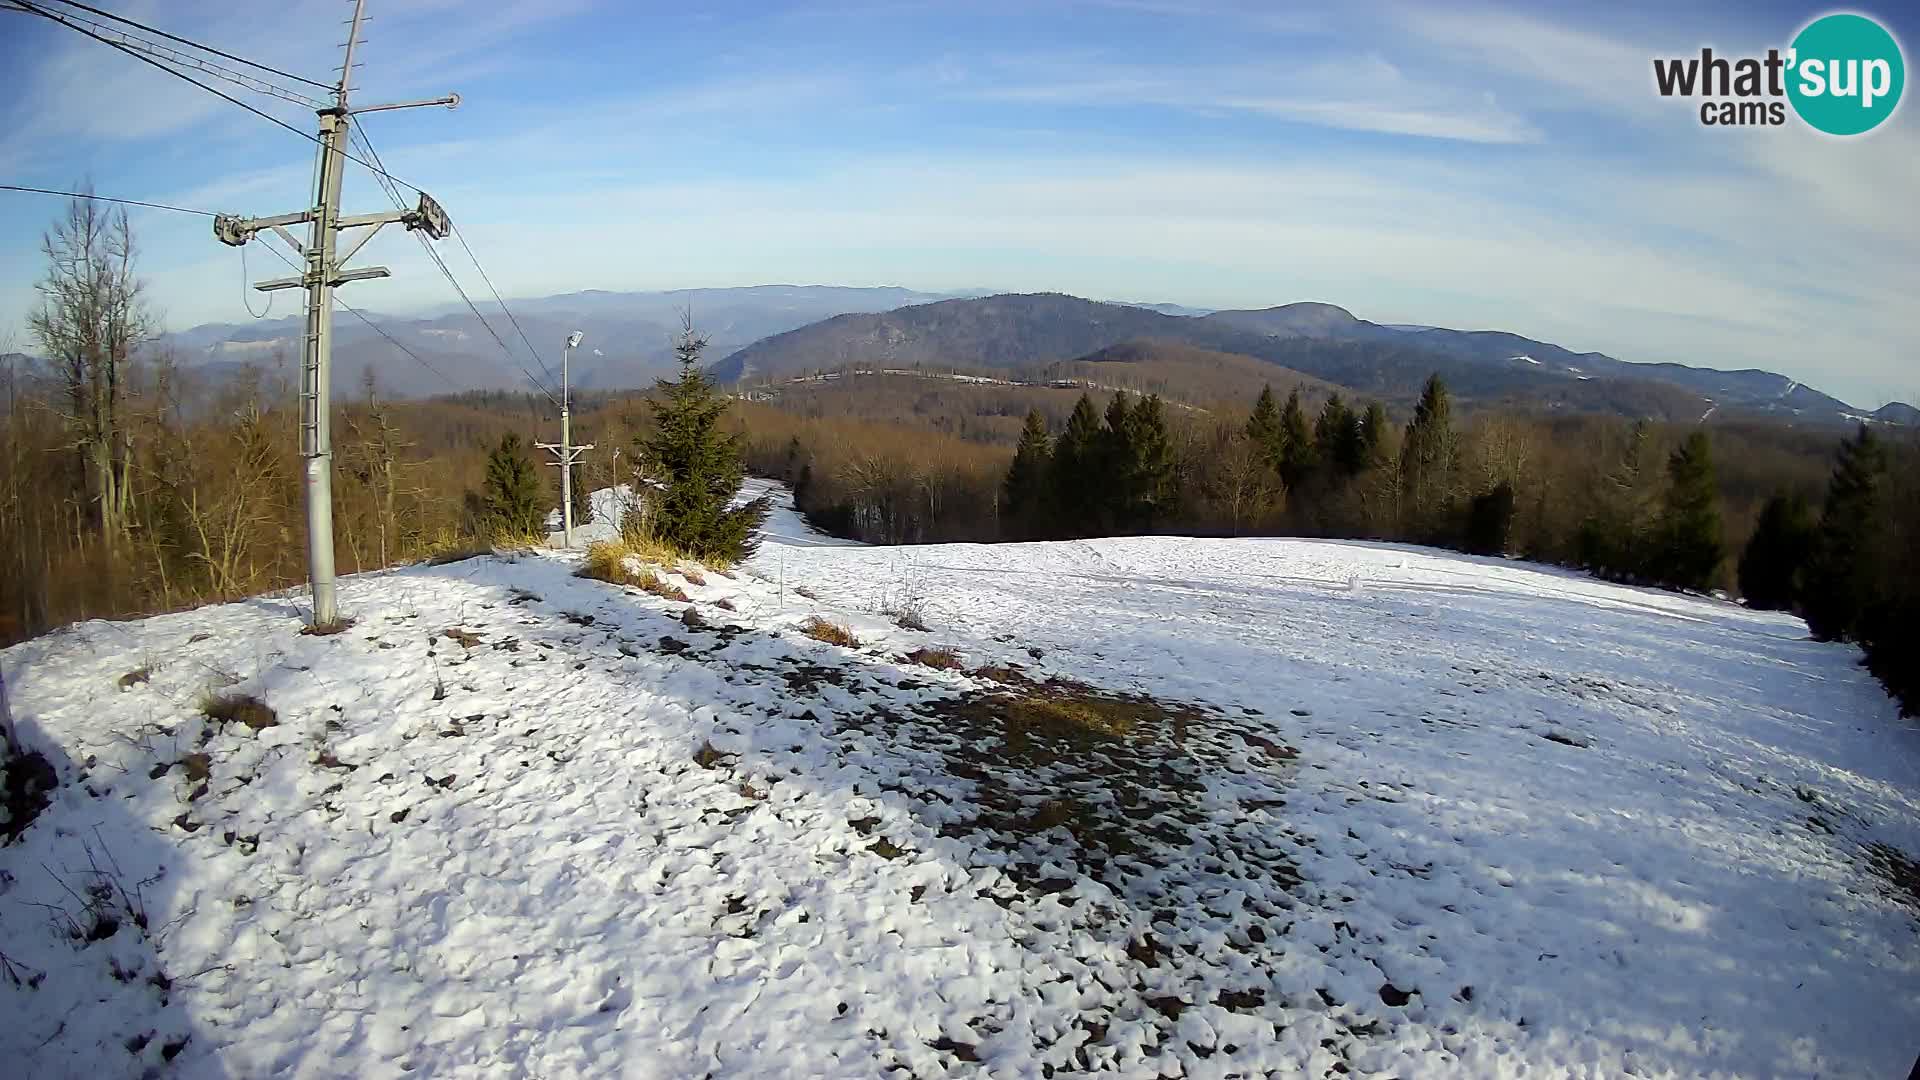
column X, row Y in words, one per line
column 784, row 525
column 1376, row 811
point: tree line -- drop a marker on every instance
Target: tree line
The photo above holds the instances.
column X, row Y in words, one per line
column 1850, row 569
column 129, row 485
column 1636, row 502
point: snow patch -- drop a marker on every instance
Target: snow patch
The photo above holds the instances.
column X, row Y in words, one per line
column 1375, row 806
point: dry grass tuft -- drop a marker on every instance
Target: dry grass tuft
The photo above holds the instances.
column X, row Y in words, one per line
column 508, row 540
column 1004, row 674
column 648, row 581
column 832, row 633
column 648, row 549
column 943, row 658
column 459, row 553
column 607, row 561
column 1067, row 713
column 611, row 561
column 239, row 708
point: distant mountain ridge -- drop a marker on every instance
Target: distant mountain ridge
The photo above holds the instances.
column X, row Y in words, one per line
column 628, row 336
column 1750, row 388
column 1015, row 331
column 770, row 330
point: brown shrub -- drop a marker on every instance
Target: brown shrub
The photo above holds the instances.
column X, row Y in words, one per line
column 239, row 708
column 648, row 581
column 832, row 633
column 943, row 658
column 607, row 561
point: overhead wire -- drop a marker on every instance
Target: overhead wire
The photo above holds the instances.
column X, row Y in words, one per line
column 245, row 277
column 33, row 8
column 375, row 327
column 239, row 78
column 186, row 41
column 384, row 179
column 108, row 199
column 388, row 182
column 497, row 299
column 447, row 272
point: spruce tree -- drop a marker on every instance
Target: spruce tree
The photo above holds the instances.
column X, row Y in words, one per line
column 1840, row 575
column 1690, row 549
column 1296, row 450
column 1373, row 435
column 1337, row 433
column 1428, row 457
column 511, row 500
column 1075, row 477
column 1263, row 427
column 1615, row 540
column 1490, row 521
column 697, row 466
column 1149, row 487
column 1026, row 494
column 1776, row 557
column 1119, row 465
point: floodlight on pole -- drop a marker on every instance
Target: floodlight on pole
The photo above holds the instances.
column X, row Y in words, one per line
column 565, row 450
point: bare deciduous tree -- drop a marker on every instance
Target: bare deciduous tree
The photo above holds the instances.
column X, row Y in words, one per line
column 1243, row 484
column 90, row 320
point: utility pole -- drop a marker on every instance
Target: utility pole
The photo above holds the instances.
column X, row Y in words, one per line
column 323, row 273
column 564, row 449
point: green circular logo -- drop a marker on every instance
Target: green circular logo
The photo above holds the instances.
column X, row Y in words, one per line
column 1845, row 74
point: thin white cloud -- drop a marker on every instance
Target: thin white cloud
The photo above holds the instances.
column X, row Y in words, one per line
column 1358, row 93
column 1582, row 64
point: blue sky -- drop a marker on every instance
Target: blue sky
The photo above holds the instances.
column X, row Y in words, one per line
column 1471, row 166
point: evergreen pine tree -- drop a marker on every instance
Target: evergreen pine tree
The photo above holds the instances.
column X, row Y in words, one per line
column 1149, row 489
column 1263, row 427
column 1615, row 540
column 698, row 466
column 1119, row 465
column 1490, row 521
column 1428, row 457
column 1689, row 549
column 1075, row 477
column 1296, row 450
column 512, row 498
column 1026, row 492
column 1337, row 433
column 1373, row 435
column 1776, row 557
column 1839, row 578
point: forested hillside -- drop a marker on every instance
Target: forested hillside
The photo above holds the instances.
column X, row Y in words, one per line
column 1017, row 333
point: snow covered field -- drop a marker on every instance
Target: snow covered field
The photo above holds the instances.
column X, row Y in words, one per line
column 1376, row 811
